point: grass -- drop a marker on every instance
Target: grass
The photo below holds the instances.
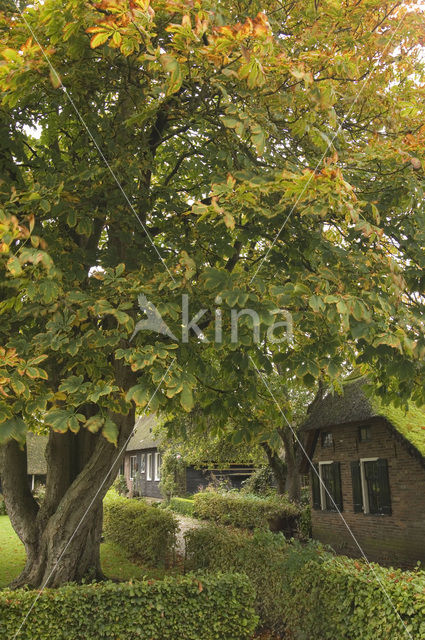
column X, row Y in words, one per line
column 12, row 553
column 114, row 563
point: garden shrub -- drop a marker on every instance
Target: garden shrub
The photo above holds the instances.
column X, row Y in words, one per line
column 304, row 592
column 332, row 597
column 2, row 506
column 184, row 506
column 145, row 533
column 260, row 555
column 193, row 607
column 260, row 483
column 247, row 511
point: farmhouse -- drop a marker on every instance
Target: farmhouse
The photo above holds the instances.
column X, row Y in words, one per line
column 370, row 458
column 142, row 465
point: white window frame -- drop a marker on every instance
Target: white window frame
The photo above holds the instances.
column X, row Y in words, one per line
column 134, row 469
column 142, row 463
column 157, row 466
column 365, row 495
column 148, row 466
column 322, row 485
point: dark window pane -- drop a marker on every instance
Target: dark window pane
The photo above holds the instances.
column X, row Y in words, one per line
column 377, row 486
column 315, row 486
column 327, row 439
column 330, row 479
column 364, row 433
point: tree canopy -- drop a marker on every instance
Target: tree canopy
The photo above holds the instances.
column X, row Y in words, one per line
column 263, row 155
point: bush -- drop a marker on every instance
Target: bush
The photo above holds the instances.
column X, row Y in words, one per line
column 261, row 556
column 247, row 511
column 213, row 607
column 260, row 483
column 336, row 597
column 120, row 485
column 305, row 592
column 184, row 506
column 2, row 506
column 144, row 532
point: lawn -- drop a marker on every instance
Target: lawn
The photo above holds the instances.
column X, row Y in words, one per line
column 114, row 563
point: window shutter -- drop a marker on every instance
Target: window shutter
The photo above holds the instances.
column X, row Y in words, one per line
column 357, row 487
column 336, row 468
column 384, row 487
column 315, row 487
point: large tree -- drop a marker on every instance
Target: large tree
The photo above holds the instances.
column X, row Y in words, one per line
column 247, row 154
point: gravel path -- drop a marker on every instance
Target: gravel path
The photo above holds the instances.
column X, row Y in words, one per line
column 185, row 524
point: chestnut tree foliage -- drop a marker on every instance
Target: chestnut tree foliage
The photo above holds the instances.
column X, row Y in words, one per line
column 263, row 155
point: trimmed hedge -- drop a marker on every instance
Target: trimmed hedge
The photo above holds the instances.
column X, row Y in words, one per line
column 247, row 511
column 184, row 506
column 261, row 556
column 337, row 597
column 194, row 607
column 144, row 532
column 305, row 592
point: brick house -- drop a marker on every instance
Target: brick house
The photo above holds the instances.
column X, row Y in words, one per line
column 371, row 459
column 142, row 465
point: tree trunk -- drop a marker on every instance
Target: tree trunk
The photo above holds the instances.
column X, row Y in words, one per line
column 278, row 466
column 62, row 536
column 292, row 459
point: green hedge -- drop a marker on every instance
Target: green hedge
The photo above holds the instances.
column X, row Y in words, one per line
column 305, row 592
column 184, row 506
column 247, row 511
column 213, row 607
column 144, row 532
column 261, row 556
column 337, row 597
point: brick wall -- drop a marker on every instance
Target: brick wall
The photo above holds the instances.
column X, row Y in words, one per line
column 398, row 539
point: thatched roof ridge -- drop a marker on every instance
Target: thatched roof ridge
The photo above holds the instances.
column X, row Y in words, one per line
column 358, row 403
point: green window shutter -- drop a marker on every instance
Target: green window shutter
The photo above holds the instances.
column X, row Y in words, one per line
column 384, row 487
column 337, row 492
column 315, row 487
column 357, row 487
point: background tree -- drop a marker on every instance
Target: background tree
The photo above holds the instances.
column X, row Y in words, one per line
column 243, row 136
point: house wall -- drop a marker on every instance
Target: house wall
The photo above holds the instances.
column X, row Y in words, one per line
column 148, row 488
column 397, row 539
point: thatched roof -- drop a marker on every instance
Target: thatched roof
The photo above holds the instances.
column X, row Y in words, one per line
column 36, row 446
column 143, row 437
column 358, row 404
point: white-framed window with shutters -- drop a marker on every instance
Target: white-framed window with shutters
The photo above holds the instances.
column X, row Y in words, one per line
column 157, row 466
column 133, row 467
column 371, row 486
column 148, row 466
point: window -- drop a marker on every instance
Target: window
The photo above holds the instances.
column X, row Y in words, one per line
column 121, row 470
column 142, row 463
column 157, row 466
column 148, row 466
column 371, row 487
column 364, row 433
column 326, row 486
column 327, row 439
column 133, row 467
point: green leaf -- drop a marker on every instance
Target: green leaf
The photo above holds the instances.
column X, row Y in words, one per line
column 59, row 419
column 186, row 398
column 99, row 38
column 71, row 384
column 110, row 431
column 15, row 429
column 14, row 266
column 138, row 394
column 94, row 423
